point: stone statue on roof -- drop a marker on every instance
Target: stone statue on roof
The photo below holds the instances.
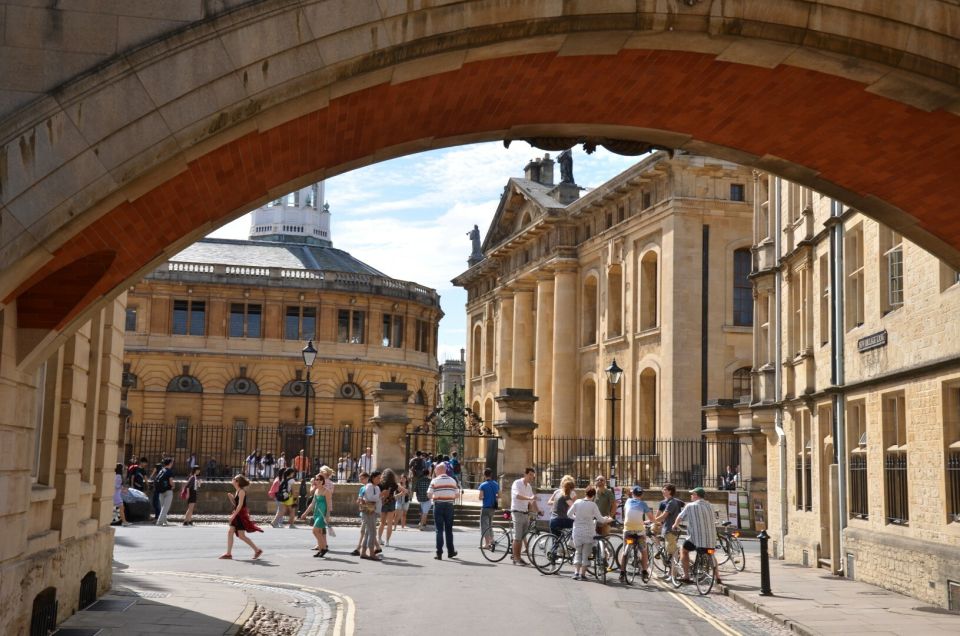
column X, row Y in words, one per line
column 565, row 159
column 475, row 255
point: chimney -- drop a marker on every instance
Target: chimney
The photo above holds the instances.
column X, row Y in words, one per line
column 546, row 170
column 532, row 170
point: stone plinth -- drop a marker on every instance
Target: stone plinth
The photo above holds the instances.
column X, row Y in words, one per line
column 390, row 422
column 516, row 428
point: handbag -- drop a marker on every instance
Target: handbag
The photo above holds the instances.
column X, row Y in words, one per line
column 369, row 507
column 184, row 492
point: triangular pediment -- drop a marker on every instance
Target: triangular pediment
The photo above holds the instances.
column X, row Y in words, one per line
column 522, row 203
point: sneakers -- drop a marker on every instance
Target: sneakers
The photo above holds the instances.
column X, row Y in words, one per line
column 645, row 576
column 577, row 577
column 452, row 555
column 355, row 553
column 519, row 562
column 439, row 556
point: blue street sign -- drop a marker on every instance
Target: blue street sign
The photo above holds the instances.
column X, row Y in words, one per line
column 308, row 431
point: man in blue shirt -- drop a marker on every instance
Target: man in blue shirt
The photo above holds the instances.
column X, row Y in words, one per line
column 489, row 491
column 635, row 513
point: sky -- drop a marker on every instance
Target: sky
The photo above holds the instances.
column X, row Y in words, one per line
column 409, row 217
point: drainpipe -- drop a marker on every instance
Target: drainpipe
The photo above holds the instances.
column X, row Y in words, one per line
column 778, row 362
column 837, row 371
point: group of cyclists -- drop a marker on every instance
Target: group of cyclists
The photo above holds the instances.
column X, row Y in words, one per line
column 580, row 532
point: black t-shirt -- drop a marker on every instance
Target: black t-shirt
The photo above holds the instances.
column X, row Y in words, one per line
column 163, row 480
column 137, row 478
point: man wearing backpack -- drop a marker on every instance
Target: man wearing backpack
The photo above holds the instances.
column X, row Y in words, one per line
column 456, row 468
column 164, row 485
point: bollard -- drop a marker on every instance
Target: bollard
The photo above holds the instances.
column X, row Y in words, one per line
column 764, row 564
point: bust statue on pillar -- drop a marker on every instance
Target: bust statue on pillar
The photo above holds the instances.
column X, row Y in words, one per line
column 390, row 422
column 516, row 427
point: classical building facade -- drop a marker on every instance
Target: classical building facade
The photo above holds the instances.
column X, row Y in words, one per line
column 650, row 269
column 857, row 383
column 214, row 338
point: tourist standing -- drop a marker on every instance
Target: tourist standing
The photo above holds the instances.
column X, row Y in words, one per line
column 192, row 484
column 489, row 494
column 138, row 475
column 281, row 463
column 155, row 495
column 267, row 462
column 670, row 509
column 370, row 509
column 364, row 479
column 240, row 522
column 389, row 489
column 164, row 485
column 365, row 463
column 606, row 501
column 521, row 501
column 560, row 502
column 403, row 503
column 585, row 515
column 320, row 507
column 328, row 486
column 443, row 491
column 118, row 494
column 253, row 462
column 422, row 486
column 301, row 464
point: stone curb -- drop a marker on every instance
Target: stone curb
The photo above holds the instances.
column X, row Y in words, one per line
column 791, row 624
column 245, row 615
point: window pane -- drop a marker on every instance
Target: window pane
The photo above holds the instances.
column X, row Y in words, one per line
column 386, row 330
column 309, row 326
column 253, row 321
column 398, row 331
column 356, row 328
column 179, row 318
column 131, row 321
column 742, row 292
column 236, row 320
column 343, row 326
column 291, row 324
column 737, row 192
column 182, row 424
column 197, row 318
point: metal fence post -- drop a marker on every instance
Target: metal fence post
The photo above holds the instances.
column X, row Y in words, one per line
column 764, row 564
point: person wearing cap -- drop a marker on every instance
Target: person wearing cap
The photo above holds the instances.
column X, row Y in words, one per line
column 635, row 513
column 606, row 502
column 701, row 528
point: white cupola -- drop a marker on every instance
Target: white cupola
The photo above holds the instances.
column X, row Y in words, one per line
column 299, row 217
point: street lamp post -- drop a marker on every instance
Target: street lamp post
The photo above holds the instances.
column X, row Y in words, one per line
column 309, row 355
column 614, row 373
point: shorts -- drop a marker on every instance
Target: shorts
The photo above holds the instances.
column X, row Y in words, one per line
column 636, row 535
column 425, row 506
column 192, row 497
column 521, row 523
column 690, row 546
column 671, row 539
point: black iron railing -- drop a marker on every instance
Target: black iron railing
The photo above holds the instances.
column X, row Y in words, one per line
column 684, row 463
column 895, row 487
column 953, row 485
column 858, row 486
column 222, row 452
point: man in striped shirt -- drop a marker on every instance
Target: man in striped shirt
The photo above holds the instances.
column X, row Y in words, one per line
column 701, row 528
column 443, row 491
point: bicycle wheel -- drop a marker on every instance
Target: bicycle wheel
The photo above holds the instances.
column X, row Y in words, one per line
column 676, row 570
column 703, row 573
column 658, row 558
column 530, row 537
column 737, row 555
column 723, row 549
column 614, row 541
column 600, row 562
column 632, row 565
column 500, row 543
column 545, row 554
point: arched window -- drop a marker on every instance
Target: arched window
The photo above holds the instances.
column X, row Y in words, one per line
column 488, row 411
column 588, row 411
column 649, row 294
column 475, row 351
column 590, row 311
column 647, row 408
column 741, row 382
column 488, row 351
column 742, row 291
column 614, row 301
column 184, row 384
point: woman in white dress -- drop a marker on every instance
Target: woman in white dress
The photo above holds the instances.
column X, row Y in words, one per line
column 585, row 515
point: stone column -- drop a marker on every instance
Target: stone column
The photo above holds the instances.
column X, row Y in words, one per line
column 516, row 427
column 523, row 336
column 505, row 325
column 390, row 422
column 543, row 371
column 563, row 404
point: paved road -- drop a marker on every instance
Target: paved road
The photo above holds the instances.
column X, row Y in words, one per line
column 409, row 591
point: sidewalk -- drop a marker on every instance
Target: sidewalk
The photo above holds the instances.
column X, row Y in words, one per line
column 813, row 601
column 142, row 603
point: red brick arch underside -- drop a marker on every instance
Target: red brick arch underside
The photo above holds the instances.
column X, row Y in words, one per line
column 864, row 143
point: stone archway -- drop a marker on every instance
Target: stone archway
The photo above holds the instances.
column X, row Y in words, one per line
column 158, row 145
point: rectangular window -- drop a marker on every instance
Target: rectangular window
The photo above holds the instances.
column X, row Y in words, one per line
column 239, row 435
column 857, row 451
column 891, row 269
column 130, row 324
column 896, row 504
column 308, row 324
column 291, row 324
column 853, row 264
column 742, row 288
column 350, row 324
column 300, row 323
column 737, row 192
column 245, row 320
column 423, row 336
column 183, row 425
column 647, row 200
column 392, row 331
column 189, row 318
column 804, row 470
column 951, row 437
column 824, row 300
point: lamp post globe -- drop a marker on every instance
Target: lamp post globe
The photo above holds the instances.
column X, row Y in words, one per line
column 614, row 374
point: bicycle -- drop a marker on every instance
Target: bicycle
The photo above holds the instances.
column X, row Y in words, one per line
column 633, row 547
column 729, row 548
column 701, row 570
column 549, row 552
column 495, row 536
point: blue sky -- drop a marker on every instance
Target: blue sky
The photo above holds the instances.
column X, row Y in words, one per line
column 409, row 217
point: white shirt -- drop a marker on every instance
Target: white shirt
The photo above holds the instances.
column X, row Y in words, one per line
column 520, row 487
column 585, row 514
column 366, row 463
column 701, row 524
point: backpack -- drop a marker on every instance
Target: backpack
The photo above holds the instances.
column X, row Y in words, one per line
column 456, row 466
column 274, row 487
column 283, row 491
column 163, row 480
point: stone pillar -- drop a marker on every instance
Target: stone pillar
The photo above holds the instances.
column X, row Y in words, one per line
column 506, row 330
column 543, row 371
column 516, row 427
column 523, row 326
column 390, row 422
column 563, row 404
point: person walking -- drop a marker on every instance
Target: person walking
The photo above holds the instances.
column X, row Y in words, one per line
column 521, row 501
column 585, row 515
column 155, row 495
column 403, row 503
column 489, row 495
column 118, row 494
column 240, row 522
column 289, row 500
column 164, row 485
column 370, row 508
column 193, row 483
column 320, row 507
column 702, row 531
column 422, row 486
column 364, row 479
column 273, row 493
column 443, row 491
column 389, row 490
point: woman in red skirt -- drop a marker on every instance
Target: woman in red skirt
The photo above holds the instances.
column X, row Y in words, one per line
column 240, row 522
